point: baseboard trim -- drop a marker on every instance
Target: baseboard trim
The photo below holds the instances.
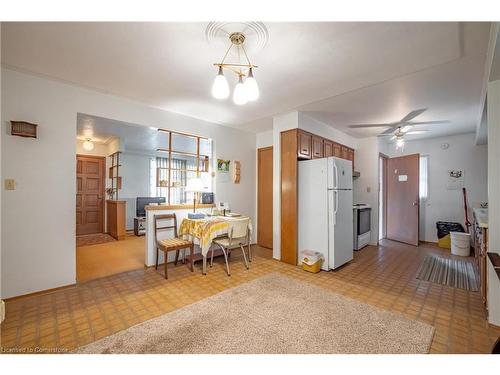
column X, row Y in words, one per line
column 39, row 293
column 493, row 325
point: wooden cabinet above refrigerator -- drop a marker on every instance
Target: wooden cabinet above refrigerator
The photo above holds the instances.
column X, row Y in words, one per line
column 311, row 146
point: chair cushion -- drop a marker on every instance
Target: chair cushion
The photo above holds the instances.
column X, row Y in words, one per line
column 174, row 242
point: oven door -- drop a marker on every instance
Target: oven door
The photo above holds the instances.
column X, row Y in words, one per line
column 363, row 220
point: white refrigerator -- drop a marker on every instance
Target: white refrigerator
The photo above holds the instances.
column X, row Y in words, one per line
column 325, row 210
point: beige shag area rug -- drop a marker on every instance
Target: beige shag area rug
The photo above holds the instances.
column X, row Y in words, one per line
column 272, row 314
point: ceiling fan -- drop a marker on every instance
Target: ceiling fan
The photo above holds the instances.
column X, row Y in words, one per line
column 397, row 130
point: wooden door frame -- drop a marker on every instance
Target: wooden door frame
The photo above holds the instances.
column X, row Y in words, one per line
column 384, row 193
column 103, row 188
column 259, row 150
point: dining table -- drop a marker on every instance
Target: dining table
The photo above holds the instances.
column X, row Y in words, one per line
column 203, row 231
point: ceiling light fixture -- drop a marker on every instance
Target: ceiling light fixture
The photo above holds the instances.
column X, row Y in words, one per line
column 400, row 143
column 220, row 87
column 399, row 137
column 88, row 145
column 247, row 88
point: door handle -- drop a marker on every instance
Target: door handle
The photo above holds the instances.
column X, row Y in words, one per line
column 415, row 203
column 335, row 176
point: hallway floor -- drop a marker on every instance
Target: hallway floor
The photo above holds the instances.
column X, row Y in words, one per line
column 110, row 258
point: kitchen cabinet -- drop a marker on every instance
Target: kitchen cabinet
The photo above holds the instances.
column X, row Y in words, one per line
column 116, row 218
column 311, row 146
column 480, row 244
column 317, row 147
column 344, row 152
column 337, row 150
column 350, row 156
column 327, row 148
column 304, row 145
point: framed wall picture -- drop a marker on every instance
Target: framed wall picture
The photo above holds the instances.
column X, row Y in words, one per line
column 223, row 165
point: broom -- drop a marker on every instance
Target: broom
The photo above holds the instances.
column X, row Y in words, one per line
column 467, row 222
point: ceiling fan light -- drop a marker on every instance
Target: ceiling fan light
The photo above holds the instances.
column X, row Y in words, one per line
column 400, row 143
column 220, row 87
column 240, row 93
column 88, row 145
column 251, row 87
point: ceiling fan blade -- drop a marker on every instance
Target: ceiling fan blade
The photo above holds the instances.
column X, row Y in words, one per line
column 428, row 122
column 417, row 132
column 406, row 128
column 388, row 131
column 413, row 114
column 369, row 126
column 384, row 135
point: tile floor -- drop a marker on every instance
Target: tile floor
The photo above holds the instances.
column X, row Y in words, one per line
column 383, row 276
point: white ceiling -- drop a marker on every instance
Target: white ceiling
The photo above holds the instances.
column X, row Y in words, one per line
column 132, row 137
column 341, row 73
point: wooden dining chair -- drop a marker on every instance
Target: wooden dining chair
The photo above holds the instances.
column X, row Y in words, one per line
column 171, row 244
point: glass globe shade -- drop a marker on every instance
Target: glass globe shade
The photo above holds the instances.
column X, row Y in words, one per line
column 88, row 145
column 400, row 142
column 240, row 93
column 251, row 87
column 220, row 87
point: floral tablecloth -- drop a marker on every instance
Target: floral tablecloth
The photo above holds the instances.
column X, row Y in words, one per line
column 205, row 230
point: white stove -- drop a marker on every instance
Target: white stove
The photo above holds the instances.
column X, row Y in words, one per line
column 361, row 225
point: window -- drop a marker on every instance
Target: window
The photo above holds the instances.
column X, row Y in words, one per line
column 188, row 157
column 424, row 177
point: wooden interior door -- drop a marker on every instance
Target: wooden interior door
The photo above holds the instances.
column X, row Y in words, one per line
column 403, row 199
column 89, row 194
column 265, row 197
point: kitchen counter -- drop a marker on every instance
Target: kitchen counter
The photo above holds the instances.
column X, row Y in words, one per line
column 481, row 215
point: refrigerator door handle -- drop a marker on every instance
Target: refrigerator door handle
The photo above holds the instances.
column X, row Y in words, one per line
column 335, row 176
column 336, row 202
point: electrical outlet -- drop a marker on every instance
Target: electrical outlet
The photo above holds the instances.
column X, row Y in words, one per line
column 368, row 189
column 10, row 184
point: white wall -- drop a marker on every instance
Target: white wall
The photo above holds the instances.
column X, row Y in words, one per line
column 98, row 150
column 493, row 197
column 494, row 165
column 314, row 126
column 135, row 181
column 264, row 139
column 39, row 235
column 2, row 129
column 444, row 204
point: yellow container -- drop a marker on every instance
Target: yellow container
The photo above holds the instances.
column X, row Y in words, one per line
column 314, row 268
column 445, row 242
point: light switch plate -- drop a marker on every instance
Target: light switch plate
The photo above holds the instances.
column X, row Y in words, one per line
column 10, row 184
